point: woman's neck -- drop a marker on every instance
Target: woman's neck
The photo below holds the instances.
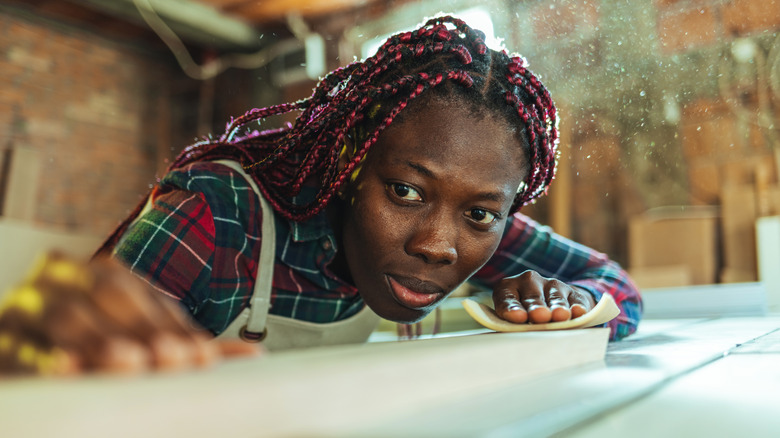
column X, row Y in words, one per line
column 338, row 265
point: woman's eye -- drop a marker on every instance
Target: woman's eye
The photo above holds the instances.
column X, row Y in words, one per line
column 481, row 216
column 404, row 192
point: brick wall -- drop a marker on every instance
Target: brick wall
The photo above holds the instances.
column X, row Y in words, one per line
column 100, row 115
column 688, row 24
column 102, row 105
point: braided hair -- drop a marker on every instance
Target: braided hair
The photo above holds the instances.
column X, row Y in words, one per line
column 360, row 100
column 406, row 66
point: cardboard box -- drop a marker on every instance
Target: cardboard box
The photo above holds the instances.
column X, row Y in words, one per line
column 678, row 243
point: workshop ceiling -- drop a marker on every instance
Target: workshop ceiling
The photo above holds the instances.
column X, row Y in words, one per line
column 232, row 25
column 264, row 11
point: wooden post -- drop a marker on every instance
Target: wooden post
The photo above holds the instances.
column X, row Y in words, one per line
column 164, row 142
column 738, row 212
column 5, row 170
column 21, row 183
column 560, row 191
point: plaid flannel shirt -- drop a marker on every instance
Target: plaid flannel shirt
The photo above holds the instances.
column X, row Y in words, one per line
column 200, row 243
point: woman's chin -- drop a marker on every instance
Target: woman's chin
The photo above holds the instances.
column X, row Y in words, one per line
column 389, row 308
column 401, row 315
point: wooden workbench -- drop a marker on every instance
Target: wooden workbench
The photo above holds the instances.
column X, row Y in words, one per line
column 683, row 377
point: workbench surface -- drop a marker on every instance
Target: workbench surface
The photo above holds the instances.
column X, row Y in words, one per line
column 681, row 377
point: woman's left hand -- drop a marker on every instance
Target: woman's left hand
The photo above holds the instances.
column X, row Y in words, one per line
column 529, row 297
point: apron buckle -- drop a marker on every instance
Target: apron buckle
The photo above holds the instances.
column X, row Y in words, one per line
column 252, row 337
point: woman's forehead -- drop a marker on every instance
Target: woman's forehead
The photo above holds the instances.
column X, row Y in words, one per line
column 439, row 119
column 451, row 136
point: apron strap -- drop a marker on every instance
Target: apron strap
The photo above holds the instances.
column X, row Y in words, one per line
column 260, row 303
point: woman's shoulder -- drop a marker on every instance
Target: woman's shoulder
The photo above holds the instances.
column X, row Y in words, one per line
column 227, row 193
column 204, row 173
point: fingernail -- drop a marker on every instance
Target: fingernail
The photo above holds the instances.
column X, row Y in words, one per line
column 513, row 307
column 534, row 307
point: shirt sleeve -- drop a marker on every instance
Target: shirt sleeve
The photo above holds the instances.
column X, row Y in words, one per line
column 199, row 242
column 527, row 245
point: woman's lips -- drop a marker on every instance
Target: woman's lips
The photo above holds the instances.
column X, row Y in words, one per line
column 413, row 293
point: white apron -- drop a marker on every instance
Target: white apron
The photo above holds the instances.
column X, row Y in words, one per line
column 254, row 324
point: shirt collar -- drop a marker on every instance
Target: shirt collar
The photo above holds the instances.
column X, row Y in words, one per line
column 314, row 228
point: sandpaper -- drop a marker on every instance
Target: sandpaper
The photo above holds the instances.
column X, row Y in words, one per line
column 604, row 311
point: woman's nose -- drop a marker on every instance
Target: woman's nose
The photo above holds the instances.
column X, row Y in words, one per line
column 434, row 241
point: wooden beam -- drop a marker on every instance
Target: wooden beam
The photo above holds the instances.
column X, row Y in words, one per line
column 269, row 10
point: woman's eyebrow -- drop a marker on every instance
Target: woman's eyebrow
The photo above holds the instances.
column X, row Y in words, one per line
column 422, row 169
column 490, row 196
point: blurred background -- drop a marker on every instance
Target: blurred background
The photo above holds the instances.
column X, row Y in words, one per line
column 668, row 107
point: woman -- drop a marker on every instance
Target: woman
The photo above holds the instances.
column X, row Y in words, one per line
column 400, row 180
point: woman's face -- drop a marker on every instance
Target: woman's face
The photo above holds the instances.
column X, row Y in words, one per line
column 429, row 207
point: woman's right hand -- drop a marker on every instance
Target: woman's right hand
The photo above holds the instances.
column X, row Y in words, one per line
column 70, row 317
